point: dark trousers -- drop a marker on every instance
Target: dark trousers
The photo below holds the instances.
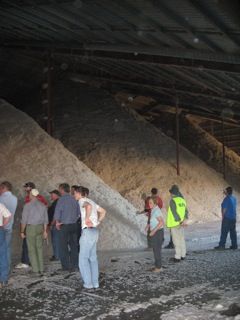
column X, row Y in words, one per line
column 228, row 225
column 68, row 246
column 157, row 241
column 25, row 257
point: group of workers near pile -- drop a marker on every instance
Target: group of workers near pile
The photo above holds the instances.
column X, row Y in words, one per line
column 73, row 220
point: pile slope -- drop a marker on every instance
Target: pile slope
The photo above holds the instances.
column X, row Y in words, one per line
column 29, row 154
column 130, row 154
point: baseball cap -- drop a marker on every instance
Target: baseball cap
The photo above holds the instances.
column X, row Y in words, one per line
column 174, row 189
column 56, row 192
column 29, row 185
column 35, row 192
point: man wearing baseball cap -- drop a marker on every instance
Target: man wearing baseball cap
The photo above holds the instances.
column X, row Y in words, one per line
column 176, row 217
column 34, row 229
column 55, row 195
column 25, row 262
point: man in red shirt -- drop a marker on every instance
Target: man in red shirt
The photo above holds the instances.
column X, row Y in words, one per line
column 25, row 262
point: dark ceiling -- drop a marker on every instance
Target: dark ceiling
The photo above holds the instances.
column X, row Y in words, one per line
column 184, row 51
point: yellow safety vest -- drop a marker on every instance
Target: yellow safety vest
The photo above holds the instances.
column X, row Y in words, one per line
column 181, row 210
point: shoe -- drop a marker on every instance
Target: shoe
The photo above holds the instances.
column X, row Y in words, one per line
column 183, row 258
column 157, row 270
column 219, row 248
column 169, row 246
column 233, row 248
column 22, row 266
column 3, row 284
column 175, row 260
column 53, row 258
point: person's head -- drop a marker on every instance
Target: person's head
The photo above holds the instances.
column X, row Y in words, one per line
column 5, row 186
column 153, row 202
column 228, row 191
column 29, row 186
column 86, row 191
column 64, row 188
column 174, row 191
column 154, row 192
column 73, row 188
column 55, row 194
column 79, row 192
column 33, row 194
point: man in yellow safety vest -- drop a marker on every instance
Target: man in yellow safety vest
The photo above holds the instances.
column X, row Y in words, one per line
column 176, row 220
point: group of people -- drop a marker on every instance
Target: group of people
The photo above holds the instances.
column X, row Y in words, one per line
column 176, row 221
column 72, row 219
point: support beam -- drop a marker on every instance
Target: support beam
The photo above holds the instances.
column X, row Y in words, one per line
column 156, row 56
column 177, row 137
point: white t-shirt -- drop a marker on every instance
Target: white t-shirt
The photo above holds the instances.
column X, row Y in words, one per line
column 94, row 214
column 4, row 213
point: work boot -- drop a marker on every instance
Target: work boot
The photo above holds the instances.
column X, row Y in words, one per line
column 175, row 260
column 169, row 246
column 233, row 248
column 219, row 248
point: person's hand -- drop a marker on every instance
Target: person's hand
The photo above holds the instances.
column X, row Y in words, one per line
column 147, row 227
column 45, row 235
column 22, row 235
column 184, row 223
column 152, row 233
column 58, row 225
column 89, row 223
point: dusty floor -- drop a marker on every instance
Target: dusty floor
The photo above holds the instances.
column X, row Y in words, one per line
column 206, row 286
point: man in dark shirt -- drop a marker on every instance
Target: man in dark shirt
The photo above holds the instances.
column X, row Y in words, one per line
column 66, row 215
column 55, row 195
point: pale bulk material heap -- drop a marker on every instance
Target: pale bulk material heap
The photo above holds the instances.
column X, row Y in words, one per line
column 131, row 155
column 29, row 154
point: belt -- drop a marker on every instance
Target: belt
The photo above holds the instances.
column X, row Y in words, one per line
column 89, row 228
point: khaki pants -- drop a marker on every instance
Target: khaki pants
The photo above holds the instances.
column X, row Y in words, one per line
column 179, row 242
column 34, row 234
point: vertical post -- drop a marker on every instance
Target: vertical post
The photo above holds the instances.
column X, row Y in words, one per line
column 49, row 93
column 177, row 137
column 223, row 149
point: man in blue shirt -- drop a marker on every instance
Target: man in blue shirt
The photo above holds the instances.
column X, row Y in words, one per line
column 229, row 212
column 10, row 202
column 66, row 214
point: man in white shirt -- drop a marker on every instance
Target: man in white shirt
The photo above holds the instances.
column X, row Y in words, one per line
column 10, row 202
column 5, row 216
column 91, row 215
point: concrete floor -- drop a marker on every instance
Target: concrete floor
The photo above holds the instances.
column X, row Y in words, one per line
column 205, row 286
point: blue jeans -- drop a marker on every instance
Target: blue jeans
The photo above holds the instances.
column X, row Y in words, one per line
column 8, row 234
column 88, row 263
column 25, row 257
column 3, row 257
column 55, row 241
column 228, row 225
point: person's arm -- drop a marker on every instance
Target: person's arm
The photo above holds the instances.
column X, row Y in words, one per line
column 88, row 208
column 158, row 227
column 174, row 210
column 45, row 225
column 58, row 214
column 101, row 214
